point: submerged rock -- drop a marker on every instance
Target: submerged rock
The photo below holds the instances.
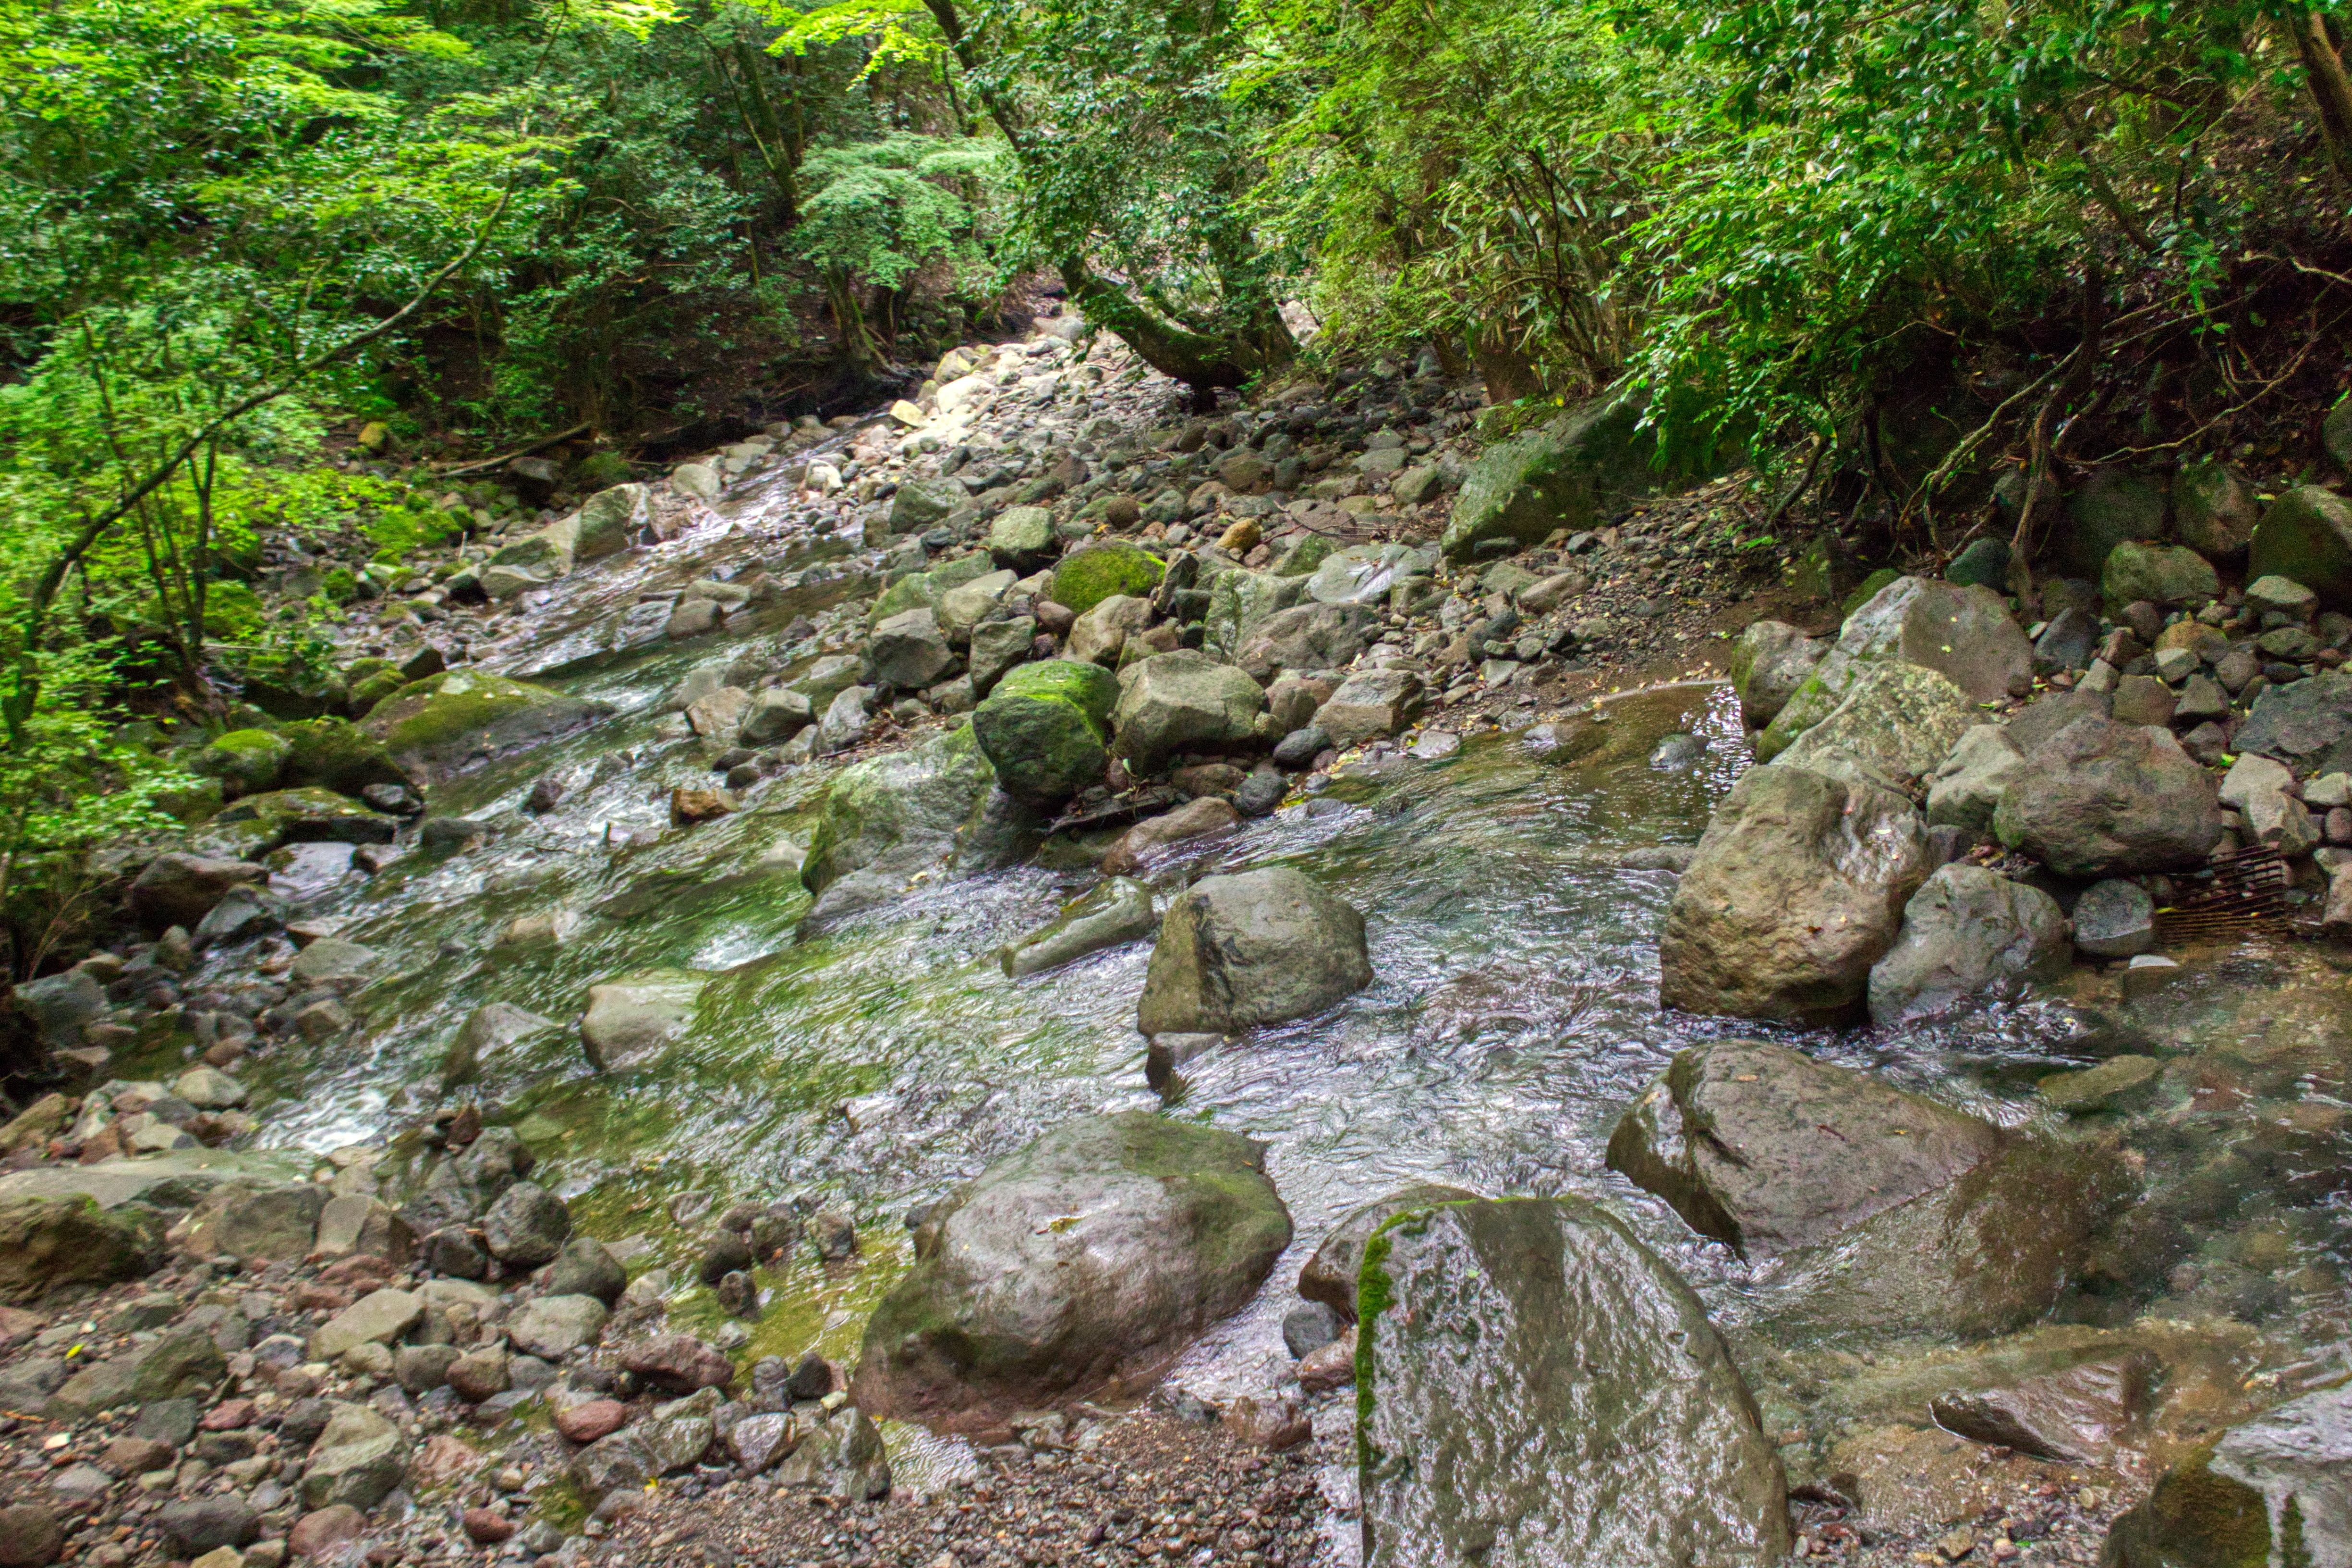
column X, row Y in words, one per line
column 1259, row 947
column 1536, row 1388
column 632, row 1019
column 1117, row 911
column 1077, row 1269
column 1796, row 891
column 885, row 819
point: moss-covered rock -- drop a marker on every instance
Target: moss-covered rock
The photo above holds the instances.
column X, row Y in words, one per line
column 248, row 828
column 887, row 819
column 2160, row 574
column 1078, row 1268
column 1045, row 728
column 286, row 688
column 444, row 725
column 1090, row 575
column 337, row 755
column 246, row 762
column 48, row 1242
column 1565, row 474
column 2306, row 537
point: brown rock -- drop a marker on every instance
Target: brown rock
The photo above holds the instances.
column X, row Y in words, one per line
column 319, row 1531
column 690, row 806
column 479, row 1374
column 597, row 1418
column 127, row 1456
column 1242, row 538
column 2076, row 1416
column 17, row 1325
column 1055, row 620
column 1272, row 1425
column 443, row 1459
column 30, row 1536
column 1333, row 1366
column 1209, row 778
column 1195, row 820
column 679, row 1364
column 228, row 1415
column 485, row 1527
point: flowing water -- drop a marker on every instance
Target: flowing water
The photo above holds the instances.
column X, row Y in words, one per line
column 1512, row 1018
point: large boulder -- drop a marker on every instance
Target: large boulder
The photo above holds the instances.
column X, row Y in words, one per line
column 1258, row 947
column 1308, row 637
column 1535, row 1387
column 1022, row 538
column 607, row 519
column 2114, row 505
column 1183, row 701
column 1898, row 722
column 179, row 889
column 1569, row 474
column 2103, row 799
column 252, row 826
column 2272, row 1490
column 1965, row 788
column 891, row 816
column 2307, row 724
column 1368, row 704
column 1769, row 662
column 1077, row 1269
column 1796, row 888
column 1045, row 728
column 1965, row 634
column 2213, row 511
column 446, row 724
column 247, row 762
column 1088, row 576
column 2160, row 574
column 1732, row 1136
column 1330, row 1275
column 1894, row 1214
column 48, row 1242
column 2305, row 536
column 1968, row 935
column 337, row 755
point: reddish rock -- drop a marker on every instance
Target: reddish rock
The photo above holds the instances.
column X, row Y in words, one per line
column 320, row 1531
column 678, row 1364
column 596, row 1418
column 485, row 1527
column 313, row 1297
column 228, row 1415
column 127, row 1456
column 16, row 1324
column 1333, row 1366
column 443, row 1459
column 361, row 1271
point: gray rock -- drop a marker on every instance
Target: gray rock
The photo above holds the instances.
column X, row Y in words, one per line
column 1368, row 704
column 632, row 1018
column 527, row 1227
column 1259, row 947
column 2114, row 506
column 845, row 719
column 1768, row 663
column 996, row 648
column 2158, row 574
column 50, row 1241
column 1966, row 786
column 1796, row 891
column 2307, row 724
column 1308, row 1329
column 891, row 816
column 1308, row 637
column 277, row 1225
column 1968, row 935
column 2305, row 536
column 586, row 1268
column 922, row 502
column 2114, row 918
column 908, row 652
column 1086, row 1262
column 759, row 1442
column 1302, row 746
column 2277, row 1488
column 1628, row 1437
column 1183, row 701
column 2066, row 641
column 841, row 1456
column 375, row 1319
column 62, row 1004
column 359, row 1460
column 2214, row 512
column 1117, row 911
column 421, row 1369
column 198, row 1525
column 1964, row 634
column 776, row 715
column 1896, row 722
column 1569, row 475
column 2077, row 1415
column 487, row 1034
column 553, row 1327
column 1022, row 538
column 2103, row 799
column 179, row 890
column 1330, row 1276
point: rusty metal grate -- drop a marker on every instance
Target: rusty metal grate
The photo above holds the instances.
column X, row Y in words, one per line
column 2248, row 892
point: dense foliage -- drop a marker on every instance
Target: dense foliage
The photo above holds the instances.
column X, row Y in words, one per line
column 229, row 228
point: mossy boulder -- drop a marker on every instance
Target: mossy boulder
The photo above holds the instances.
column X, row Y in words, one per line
column 1087, row 577
column 1965, row 634
column 286, row 688
column 250, row 827
column 1567, row 475
column 2305, row 536
column 2160, row 574
column 1077, row 1269
column 1045, row 728
column 246, row 762
column 607, row 518
column 2115, row 505
column 337, row 755
column 48, row 1242
column 446, row 724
